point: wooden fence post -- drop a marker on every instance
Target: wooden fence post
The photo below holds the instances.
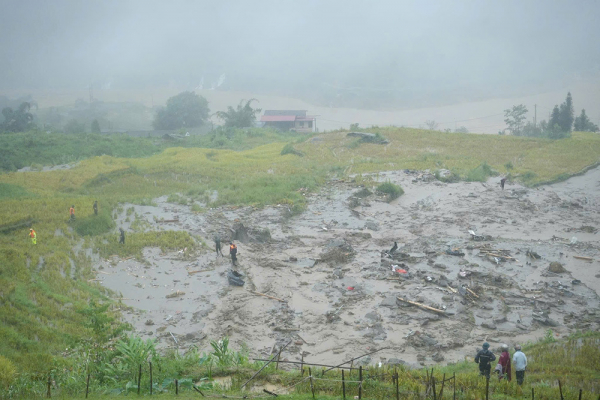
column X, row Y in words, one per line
column 49, row 392
column 176, row 387
column 277, row 363
column 560, row 388
column 397, row 387
column 360, row 383
column 343, row 386
column 87, row 386
column 443, row 383
column 580, row 390
column 150, row 364
column 487, row 387
column 312, row 388
column 302, row 364
column 454, row 394
column 433, row 386
column 139, row 379
column 532, row 394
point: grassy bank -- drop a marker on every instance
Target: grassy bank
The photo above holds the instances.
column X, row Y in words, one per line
column 37, row 149
column 223, row 371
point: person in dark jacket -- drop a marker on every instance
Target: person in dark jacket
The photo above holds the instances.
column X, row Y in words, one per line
column 122, row 238
column 95, row 207
column 484, row 358
column 218, row 246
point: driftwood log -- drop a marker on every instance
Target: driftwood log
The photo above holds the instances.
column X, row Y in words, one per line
column 414, row 303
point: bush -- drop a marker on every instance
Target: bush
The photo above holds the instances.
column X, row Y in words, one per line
column 480, row 174
column 392, row 191
column 289, row 149
column 7, row 372
column 93, row 225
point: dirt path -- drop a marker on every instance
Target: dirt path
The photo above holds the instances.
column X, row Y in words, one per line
column 329, row 266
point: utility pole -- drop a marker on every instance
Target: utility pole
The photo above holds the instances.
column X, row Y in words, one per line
column 535, row 116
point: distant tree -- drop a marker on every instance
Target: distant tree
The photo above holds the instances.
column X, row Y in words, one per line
column 95, row 127
column 461, row 129
column 566, row 114
column 515, row 118
column 17, row 121
column 532, row 130
column 74, row 127
column 583, row 123
column 431, row 124
column 447, row 130
column 186, row 110
column 243, row 116
column 554, row 121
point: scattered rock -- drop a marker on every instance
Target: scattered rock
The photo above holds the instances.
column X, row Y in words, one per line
column 556, row 267
column 177, row 293
column 488, row 325
column 395, row 361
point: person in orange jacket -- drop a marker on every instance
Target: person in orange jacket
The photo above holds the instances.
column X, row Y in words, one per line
column 33, row 236
column 72, row 213
column 233, row 252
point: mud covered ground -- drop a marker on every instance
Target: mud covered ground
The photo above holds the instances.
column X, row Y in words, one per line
column 339, row 286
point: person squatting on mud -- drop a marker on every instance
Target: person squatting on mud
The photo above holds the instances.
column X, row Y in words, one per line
column 484, row 357
column 520, row 361
column 504, row 368
column 233, row 252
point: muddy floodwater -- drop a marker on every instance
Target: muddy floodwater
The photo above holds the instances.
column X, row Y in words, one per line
column 334, row 284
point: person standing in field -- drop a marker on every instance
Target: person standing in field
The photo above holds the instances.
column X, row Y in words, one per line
column 122, row 238
column 33, row 236
column 72, row 213
column 484, row 357
column 95, row 207
column 504, row 361
column 520, row 361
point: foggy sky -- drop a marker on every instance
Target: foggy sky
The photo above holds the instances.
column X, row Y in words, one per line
column 287, row 46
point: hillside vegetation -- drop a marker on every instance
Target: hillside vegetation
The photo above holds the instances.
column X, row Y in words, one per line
column 49, row 301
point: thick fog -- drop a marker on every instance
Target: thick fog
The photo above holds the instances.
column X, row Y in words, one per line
column 367, row 52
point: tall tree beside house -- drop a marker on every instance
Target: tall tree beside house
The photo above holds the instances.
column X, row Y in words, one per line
column 242, row 117
column 567, row 114
column 515, row 118
column 583, row 123
column 186, row 110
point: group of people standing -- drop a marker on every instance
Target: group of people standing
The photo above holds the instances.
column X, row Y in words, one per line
column 485, row 357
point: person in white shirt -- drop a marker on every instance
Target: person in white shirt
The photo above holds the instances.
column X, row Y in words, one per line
column 520, row 363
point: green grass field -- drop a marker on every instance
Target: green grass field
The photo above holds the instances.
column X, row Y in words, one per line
column 47, row 288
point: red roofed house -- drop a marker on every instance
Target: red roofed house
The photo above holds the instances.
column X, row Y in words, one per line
column 290, row 120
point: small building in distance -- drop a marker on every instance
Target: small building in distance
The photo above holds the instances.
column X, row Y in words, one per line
column 290, row 120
